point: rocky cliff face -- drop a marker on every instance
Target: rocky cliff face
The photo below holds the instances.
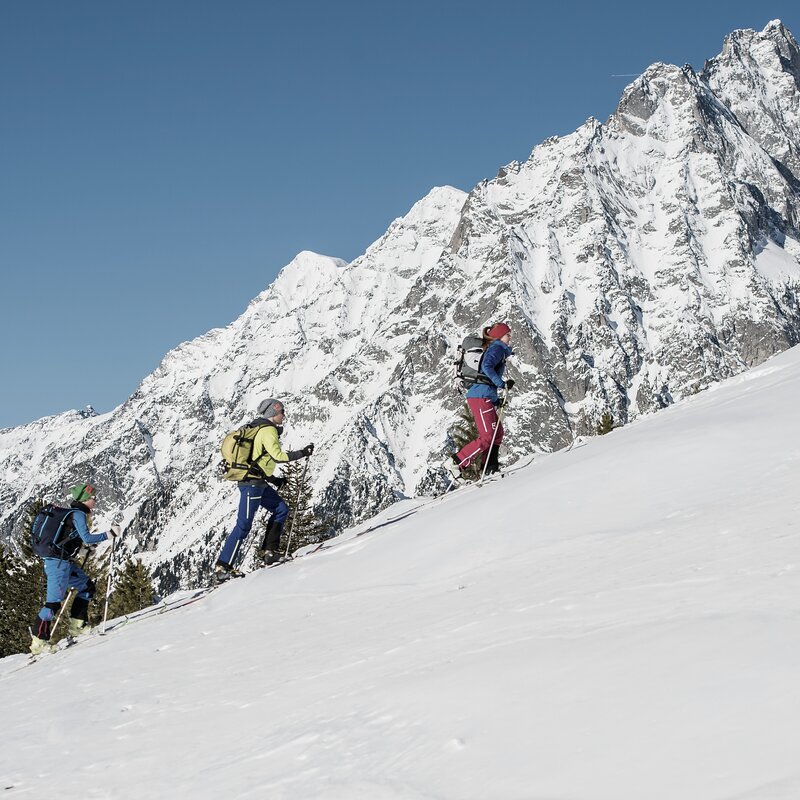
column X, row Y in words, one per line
column 638, row 261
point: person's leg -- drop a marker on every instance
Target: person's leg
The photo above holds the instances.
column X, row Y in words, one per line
column 493, row 456
column 249, row 502
column 279, row 510
column 485, row 416
column 79, row 612
column 57, row 573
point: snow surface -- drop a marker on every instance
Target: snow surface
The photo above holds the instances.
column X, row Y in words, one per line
column 621, row 620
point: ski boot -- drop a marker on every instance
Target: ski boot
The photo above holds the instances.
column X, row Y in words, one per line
column 224, row 572
column 273, row 558
column 77, row 627
column 453, row 469
column 492, row 461
column 41, row 646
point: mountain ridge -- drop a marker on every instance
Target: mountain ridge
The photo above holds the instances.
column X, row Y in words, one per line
column 638, row 261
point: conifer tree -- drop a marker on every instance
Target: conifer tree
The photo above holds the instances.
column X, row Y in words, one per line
column 133, row 589
column 302, row 527
column 606, row 424
column 462, row 433
column 22, row 587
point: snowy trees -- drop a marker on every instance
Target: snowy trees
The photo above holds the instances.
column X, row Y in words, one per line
column 21, row 588
column 133, row 589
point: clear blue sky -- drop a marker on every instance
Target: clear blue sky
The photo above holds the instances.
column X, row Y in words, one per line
column 161, row 161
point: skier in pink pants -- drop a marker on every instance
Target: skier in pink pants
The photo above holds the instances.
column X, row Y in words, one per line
column 483, row 401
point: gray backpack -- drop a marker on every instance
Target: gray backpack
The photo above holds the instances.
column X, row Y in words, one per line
column 468, row 363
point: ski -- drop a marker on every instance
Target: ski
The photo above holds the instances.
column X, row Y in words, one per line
column 462, row 483
column 63, row 644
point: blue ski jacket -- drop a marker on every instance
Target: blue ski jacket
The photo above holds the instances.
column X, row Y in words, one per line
column 493, row 365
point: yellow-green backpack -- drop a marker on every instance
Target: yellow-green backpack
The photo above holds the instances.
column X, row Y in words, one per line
column 237, row 452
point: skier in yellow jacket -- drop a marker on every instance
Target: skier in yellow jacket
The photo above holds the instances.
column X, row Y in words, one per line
column 255, row 489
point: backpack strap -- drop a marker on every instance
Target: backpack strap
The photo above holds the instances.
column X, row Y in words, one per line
column 483, row 378
column 255, row 472
column 65, row 527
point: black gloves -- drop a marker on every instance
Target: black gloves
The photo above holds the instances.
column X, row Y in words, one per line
column 304, row 453
column 509, row 384
column 276, row 481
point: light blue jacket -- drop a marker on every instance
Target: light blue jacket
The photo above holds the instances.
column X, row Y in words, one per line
column 82, row 529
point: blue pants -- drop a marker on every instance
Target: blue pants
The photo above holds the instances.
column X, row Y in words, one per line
column 61, row 577
column 251, row 498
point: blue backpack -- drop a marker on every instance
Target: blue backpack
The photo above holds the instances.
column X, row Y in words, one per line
column 52, row 528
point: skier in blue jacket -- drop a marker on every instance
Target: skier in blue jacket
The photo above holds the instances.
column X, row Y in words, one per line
column 64, row 574
column 483, row 401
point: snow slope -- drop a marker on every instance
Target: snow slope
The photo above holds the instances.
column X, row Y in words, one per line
column 617, row 621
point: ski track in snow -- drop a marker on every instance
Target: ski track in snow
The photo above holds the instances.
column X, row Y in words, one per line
column 617, row 621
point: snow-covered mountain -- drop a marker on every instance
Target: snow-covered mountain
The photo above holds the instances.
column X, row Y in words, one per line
column 619, row 621
column 639, row 261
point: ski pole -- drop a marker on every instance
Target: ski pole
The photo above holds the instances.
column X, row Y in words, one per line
column 108, row 584
column 296, row 505
column 241, row 561
column 494, row 435
column 61, row 611
column 67, row 600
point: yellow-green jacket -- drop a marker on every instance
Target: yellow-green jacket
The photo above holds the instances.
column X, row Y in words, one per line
column 267, row 452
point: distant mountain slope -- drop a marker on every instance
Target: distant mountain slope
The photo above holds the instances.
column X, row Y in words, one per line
column 639, row 261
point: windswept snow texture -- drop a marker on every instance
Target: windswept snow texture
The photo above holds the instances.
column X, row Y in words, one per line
column 618, row 621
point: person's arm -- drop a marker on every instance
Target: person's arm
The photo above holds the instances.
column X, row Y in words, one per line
column 268, row 445
column 79, row 518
